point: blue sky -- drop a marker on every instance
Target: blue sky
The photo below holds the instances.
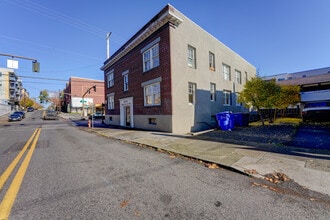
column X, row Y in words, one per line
column 67, row 37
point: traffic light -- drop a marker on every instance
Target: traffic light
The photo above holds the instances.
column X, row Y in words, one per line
column 35, row 66
column 94, row 87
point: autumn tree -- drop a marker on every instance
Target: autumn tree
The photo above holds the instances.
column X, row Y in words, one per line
column 26, row 102
column 56, row 102
column 259, row 93
column 289, row 95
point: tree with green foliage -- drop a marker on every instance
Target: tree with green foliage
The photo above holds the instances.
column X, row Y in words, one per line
column 44, row 96
column 259, row 93
column 289, row 95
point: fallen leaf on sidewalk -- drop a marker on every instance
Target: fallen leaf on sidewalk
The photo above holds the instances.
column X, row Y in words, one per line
column 172, row 156
column 252, row 171
column 212, row 166
column 124, row 203
column 137, row 213
column 276, row 177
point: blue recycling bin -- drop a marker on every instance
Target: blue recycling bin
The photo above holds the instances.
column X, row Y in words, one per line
column 241, row 119
column 226, row 120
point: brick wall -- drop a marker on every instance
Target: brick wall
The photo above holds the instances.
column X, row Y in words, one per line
column 133, row 62
column 80, row 85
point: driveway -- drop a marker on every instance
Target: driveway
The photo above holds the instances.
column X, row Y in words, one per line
column 312, row 136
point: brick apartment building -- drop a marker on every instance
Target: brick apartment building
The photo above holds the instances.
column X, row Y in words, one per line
column 73, row 95
column 173, row 76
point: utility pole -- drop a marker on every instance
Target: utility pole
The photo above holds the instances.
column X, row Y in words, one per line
column 108, row 44
column 83, row 101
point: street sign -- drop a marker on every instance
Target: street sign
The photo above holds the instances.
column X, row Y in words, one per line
column 12, row 64
column 82, row 101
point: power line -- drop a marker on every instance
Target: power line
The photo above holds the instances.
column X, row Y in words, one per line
column 49, row 47
column 60, row 17
column 37, row 8
column 62, row 80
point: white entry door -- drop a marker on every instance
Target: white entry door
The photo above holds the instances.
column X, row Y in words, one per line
column 126, row 112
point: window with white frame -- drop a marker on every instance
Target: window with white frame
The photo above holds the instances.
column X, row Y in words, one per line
column 191, row 57
column 226, row 72
column 212, row 91
column 238, row 77
column 110, row 79
column 151, row 58
column 211, row 61
column 226, row 97
column 111, row 102
column 125, row 81
column 191, row 93
column 152, row 94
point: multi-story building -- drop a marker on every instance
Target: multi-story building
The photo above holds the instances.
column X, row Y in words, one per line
column 10, row 88
column 173, row 76
column 314, row 84
column 76, row 96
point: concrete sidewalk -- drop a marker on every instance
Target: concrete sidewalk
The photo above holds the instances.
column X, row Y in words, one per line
column 311, row 170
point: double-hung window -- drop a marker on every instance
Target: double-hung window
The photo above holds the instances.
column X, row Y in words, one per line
column 111, row 101
column 212, row 92
column 151, row 58
column 211, row 61
column 226, row 98
column 226, row 72
column 191, row 57
column 237, row 102
column 110, row 79
column 238, row 77
column 191, row 93
column 125, row 76
column 152, row 94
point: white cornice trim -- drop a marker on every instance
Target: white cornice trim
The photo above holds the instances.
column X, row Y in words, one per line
column 168, row 16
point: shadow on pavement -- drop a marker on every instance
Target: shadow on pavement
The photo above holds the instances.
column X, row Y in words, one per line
column 307, row 141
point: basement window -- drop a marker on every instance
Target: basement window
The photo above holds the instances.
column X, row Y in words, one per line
column 152, row 121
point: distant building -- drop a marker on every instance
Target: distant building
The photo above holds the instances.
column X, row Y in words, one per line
column 314, row 84
column 10, row 88
column 173, row 76
column 73, row 100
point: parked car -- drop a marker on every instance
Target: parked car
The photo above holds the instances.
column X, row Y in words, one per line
column 30, row 109
column 316, row 111
column 50, row 115
column 15, row 117
column 22, row 113
column 96, row 116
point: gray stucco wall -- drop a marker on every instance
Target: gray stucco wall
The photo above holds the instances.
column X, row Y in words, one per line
column 188, row 117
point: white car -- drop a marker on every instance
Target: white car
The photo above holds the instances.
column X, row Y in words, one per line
column 316, row 111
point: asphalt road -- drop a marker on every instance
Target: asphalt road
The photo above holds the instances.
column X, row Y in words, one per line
column 74, row 174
